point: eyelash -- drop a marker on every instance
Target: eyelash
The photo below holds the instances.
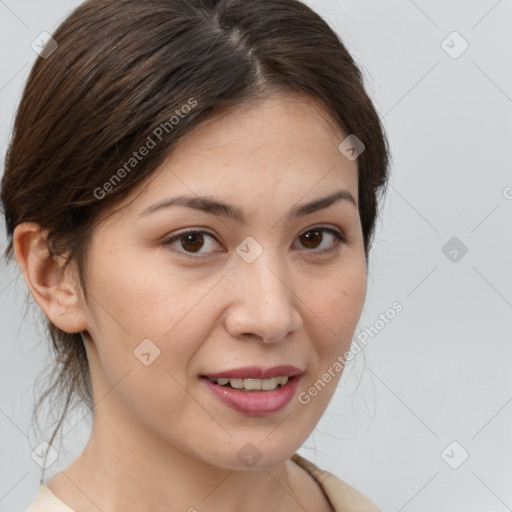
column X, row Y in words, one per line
column 340, row 239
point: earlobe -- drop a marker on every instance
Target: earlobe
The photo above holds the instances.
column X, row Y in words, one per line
column 54, row 290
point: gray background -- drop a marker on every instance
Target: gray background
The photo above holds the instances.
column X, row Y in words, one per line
column 440, row 370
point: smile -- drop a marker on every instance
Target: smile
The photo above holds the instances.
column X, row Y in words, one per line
column 253, row 384
column 255, row 391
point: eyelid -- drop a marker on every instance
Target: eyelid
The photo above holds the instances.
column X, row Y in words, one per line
column 337, row 232
column 168, row 240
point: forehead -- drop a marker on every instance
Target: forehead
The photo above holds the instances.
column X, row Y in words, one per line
column 282, row 145
column 295, row 118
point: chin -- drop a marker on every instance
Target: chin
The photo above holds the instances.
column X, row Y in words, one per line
column 256, row 454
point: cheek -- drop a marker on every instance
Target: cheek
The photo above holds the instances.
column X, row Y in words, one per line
column 336, row 307
column 335, row 312
column 152, row 328
column 157, row 398
column 143, row 299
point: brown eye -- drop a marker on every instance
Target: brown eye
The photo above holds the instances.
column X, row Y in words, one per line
column 313, row 238
column 192, row 242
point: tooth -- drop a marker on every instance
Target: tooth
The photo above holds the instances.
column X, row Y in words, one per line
column 252, row 383
column 236, row 383
column 282, row 380
column 269, row 384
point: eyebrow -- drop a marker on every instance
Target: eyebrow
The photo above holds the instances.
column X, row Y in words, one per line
column 212, row 206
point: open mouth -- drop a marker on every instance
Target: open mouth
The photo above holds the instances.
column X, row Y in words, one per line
column 251, row 385
column 255, row 391
column 254, row 397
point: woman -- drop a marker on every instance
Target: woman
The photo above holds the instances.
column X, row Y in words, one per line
column 191, row 191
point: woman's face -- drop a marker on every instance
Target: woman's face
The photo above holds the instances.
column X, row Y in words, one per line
column 264, row 288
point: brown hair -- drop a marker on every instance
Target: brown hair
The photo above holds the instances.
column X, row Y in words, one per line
column 124, row 69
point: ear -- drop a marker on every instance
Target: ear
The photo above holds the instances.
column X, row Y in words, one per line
column 54, row 290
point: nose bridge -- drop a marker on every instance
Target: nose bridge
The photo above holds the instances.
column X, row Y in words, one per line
column 265, row 279
column 265, row 305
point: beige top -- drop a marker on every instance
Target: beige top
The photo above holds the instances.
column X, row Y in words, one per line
column 342, row 496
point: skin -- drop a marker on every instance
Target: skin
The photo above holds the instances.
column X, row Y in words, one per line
column 160, row 439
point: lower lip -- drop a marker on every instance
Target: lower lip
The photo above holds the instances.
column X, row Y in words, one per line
column 255, row 403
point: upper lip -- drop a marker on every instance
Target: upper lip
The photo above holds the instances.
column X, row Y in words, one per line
column 256, row 372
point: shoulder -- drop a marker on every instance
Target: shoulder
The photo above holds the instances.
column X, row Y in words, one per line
column 46, row 501
column 343, row 497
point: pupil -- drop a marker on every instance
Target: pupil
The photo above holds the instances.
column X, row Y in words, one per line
column 309, row 238
column 192, row 239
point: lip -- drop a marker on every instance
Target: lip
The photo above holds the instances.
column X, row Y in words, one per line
column 255, row 403
column 257, row 372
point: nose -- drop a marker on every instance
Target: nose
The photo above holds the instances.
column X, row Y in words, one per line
column 264, row 305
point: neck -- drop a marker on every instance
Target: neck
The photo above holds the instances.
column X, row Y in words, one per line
column 131, row 468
